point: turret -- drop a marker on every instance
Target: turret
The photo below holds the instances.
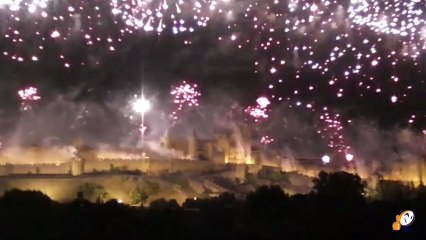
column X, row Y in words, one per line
column 165, row 140
column 246, row 135
column 77, row 166
column 192, row 145
column 222, row 145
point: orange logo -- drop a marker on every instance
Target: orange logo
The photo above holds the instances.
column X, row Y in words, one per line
column 404, row 219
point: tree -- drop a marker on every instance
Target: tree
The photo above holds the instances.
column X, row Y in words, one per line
column 164, row 205
column 151, row 188
column 395, row 190
column 138, row 196
column 93, row 192
column 18, row 198
column 339, row 187
column 267, row 203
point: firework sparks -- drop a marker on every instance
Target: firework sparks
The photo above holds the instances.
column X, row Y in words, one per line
column 325, row 159
column 185, row 96
column 266, row 140
column 142, row 129
column 260, row 110
column 28, row 21
column 158, row 15
column 332, row 132
column 101, row 25
column 349, row 157
column 345, row 46
column 141, row 105
column 404, row 19
column 31, row 6
column 29, row 94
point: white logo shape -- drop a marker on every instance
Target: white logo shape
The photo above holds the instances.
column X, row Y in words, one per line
column 407, row 218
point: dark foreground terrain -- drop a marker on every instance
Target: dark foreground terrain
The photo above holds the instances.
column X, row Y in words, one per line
column 336, row 209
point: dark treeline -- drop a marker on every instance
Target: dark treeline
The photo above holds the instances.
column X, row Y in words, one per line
column 335, row 209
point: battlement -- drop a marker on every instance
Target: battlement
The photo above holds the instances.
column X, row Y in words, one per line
column 77, row 167
column 16, row 169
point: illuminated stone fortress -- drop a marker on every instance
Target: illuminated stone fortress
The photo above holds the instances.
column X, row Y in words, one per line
column 227, row 146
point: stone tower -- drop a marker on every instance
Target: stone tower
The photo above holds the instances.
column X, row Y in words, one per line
column 192, row 145
column 222, row 145
column 246, row 135
column 77, row 166
column 165, row 140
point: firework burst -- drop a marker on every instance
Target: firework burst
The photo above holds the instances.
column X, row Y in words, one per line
column 260, row 110
column 308, row 53
column 28, row 95
column 35, row 25
column 159, row 15
column 332, row 132
column 185, row 96
column 266, row 140
column 29, row 6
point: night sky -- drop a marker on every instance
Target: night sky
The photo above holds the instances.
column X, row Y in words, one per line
column 314, row 58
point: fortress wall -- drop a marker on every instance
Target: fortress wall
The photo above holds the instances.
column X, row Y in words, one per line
column 179, row 145
column 159, row 166
column 9, row 169
column 96, row 166
column 108, row 165
column 240, row 171
column 408, row 171
column 141, row 165
column 23, row 169
column 189, row 166
column 253, row 168
column 54, row 169
column 131, row 165
column 198, row 167
column 5, row 169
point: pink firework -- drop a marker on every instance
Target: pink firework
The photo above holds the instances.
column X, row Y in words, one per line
column 260, row 110
column 186, row 96
column 332, row 132
column 266, row 140
column 29, row 94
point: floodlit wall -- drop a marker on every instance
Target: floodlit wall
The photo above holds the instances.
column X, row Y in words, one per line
column 180, row 145
column 144, row 166
column 115, row 164
column 23, row 169
column 54, row 169
column 97, row 166
column 9, row 169
column 5, row 169
column 158, row 167
column 196, row 166
column 409, row 170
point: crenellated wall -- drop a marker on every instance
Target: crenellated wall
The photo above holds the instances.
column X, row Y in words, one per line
column 197, row 167
column 19, row 169
column 54, row 169
column 6, row 169
column 76, row 167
